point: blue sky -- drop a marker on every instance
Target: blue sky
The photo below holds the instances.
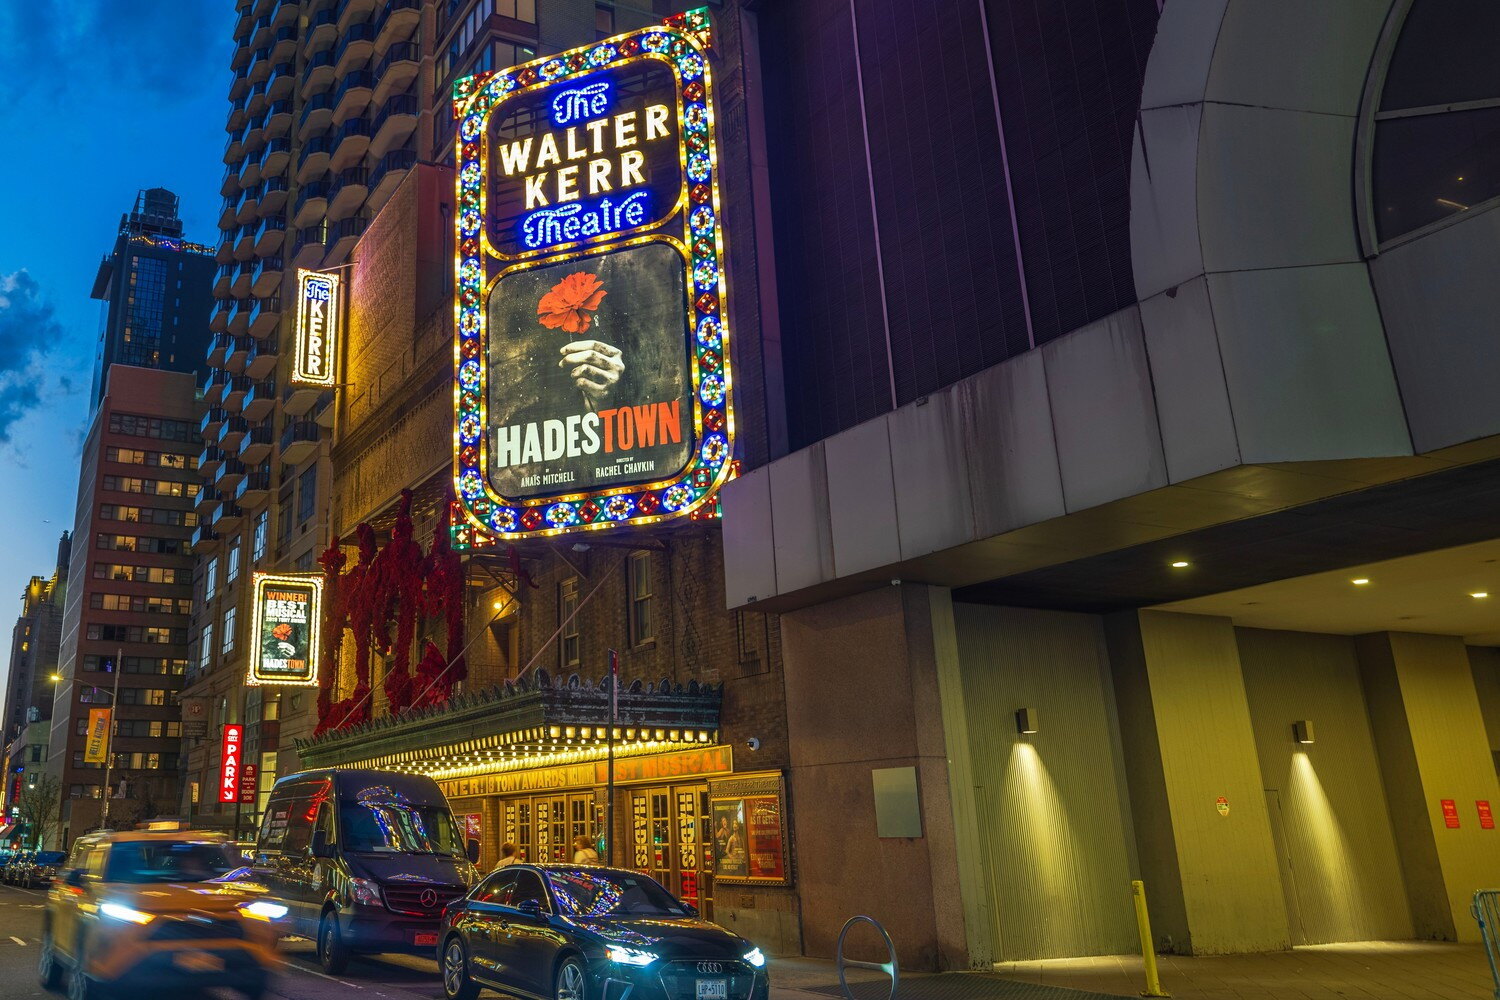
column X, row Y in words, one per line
column 99, row 99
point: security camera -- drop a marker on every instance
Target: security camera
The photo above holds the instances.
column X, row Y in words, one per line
column 753, row 743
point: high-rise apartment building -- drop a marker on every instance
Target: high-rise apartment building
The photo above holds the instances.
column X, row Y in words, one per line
column 125, row 618
column 33, row 663
column 155, row 290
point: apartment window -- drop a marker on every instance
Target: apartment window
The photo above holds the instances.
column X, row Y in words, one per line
column 258, row 537
column 638, row 579
column 232, row 571
column 228, row 631
column 567, row 610
column 210, row 578
column 206, row 650
column 270, row 709
column 307, row 494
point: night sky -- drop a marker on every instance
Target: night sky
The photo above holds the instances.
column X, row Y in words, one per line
column 98, row 99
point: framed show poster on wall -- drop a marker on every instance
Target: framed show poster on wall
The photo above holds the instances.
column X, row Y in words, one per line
column 747, row 828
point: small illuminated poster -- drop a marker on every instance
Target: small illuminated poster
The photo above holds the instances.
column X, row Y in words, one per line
column 592, row 355
column 286, row 628
column 1486, row 817
column 1450, row 813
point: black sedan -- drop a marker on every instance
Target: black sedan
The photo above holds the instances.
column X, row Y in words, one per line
column 571, row 932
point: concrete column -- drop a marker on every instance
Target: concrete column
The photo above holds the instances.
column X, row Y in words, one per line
column 1431, row 739
column 863, row 693
column 1211, row 876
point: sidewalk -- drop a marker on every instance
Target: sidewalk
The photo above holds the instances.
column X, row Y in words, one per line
column 1374, row 970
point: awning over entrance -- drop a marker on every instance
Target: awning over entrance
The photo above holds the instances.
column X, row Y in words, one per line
column 520, row 725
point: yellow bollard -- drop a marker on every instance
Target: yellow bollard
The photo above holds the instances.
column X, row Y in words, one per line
column 1148, row 948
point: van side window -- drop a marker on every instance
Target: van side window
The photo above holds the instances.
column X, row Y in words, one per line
column 299, row 825
column 273, row 826
column 325, row 821
column 497, row 889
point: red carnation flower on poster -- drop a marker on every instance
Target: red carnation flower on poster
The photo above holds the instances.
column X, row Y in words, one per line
column 282, row 632
column 570, row 305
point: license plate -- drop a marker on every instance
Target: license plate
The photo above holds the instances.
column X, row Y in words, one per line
column 713, row 989
column 429, row 939
column 198, row 961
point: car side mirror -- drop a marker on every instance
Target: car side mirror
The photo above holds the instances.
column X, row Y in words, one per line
column 320, row 846
column 472, row 850
column 74, row 878
column 530, row 908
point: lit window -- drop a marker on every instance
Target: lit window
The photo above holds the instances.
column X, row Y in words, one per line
column 638, row 571
column 567, row 610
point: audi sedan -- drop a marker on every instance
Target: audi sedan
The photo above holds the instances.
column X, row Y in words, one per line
column 589, row 933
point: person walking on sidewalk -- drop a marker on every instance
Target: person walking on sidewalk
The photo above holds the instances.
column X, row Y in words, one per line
column 583, row 852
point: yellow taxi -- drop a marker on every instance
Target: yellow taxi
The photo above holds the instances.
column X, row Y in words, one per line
column 150, row 911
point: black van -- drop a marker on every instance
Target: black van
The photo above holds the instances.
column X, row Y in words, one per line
column 364, row 861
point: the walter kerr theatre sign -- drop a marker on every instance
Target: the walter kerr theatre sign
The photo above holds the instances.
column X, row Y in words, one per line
column 593, row 382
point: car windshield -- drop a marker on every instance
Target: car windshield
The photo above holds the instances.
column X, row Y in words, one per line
column 584, row 892
column 141, row 861
column 399, row 828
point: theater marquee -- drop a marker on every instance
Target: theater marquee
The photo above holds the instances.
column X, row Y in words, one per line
column 592, row 351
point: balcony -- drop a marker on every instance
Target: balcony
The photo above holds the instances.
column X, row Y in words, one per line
column 397, row 21
column 299, row 441
column 241, row 83
column 256, row 485
column 350, row 141
column 260, row 62
column 265, row 316
column 218, row 320
column 267, row 278
column 229, row 516
column 396, row 70
column 349, row 190
column 236, row 114
column 285, row 12
column 204, row 539
column 353, row 94
column 239, row 353
column 223, row 278
column 260, row 400
column 394, row 124
column 342, row 236
column 282, row 81
column 317, row 113
column 249, row 201
column 323, row 411
column 218, row 347
column 260, row 34
column 263, row 357
column 284, row 44
column 209, row 459
column 351, row 11
column 235, row 389
column 207, row 498
column 318, row 73
column 269, row 235
column 231, row 432
column 321, row 29
column 312, row 203
column 277, row 121
column 273, row 194
column 255, row 446
column 213, row 386
column 354, row 48
column 250, row 174
column 312, row 162
column 227, row 211
column 229, row 184
column 239, row 320
column 310, row 245
column 208, row 425
column 243, row 272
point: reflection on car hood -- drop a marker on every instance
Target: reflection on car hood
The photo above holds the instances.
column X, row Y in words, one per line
column 670, row 937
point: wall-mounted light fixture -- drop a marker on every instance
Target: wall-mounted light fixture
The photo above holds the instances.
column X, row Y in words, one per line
column 1025, row 721
column 1302, row 731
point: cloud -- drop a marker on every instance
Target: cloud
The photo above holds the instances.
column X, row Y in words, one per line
column 28, row 330
column 139, row 47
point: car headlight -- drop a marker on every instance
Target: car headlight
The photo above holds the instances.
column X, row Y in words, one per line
column 630, row 956
column 262, row 910
column 365, row 891
column 756, row 958
column 120, row 911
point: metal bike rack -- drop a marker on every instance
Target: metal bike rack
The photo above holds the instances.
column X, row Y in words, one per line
column 1486, row 910
column 891, row 968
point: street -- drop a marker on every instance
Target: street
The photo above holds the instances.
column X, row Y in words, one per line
column 397, row 977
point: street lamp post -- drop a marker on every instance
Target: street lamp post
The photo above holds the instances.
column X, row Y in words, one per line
column 109, row 743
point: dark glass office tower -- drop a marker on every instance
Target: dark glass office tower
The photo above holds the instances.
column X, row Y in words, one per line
column 157, row 291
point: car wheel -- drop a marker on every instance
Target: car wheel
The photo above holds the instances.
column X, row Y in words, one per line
column 49, row 971
column 333, row 953
column 456, row 982
column 570, row 981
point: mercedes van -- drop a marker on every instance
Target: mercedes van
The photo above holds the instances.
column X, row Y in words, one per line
column 364, row 861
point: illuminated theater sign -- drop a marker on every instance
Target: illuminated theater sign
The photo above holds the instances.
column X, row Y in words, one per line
column 317, row 326
column 285, row 628
column 592, row 350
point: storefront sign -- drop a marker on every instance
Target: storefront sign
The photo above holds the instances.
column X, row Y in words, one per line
column 747, row 824
column 593, row 362
column 96, row 747
column 249, row 783
column 1486, row 818
column 317, row 328
column 286, row 628
column 1450, row 813
column 231, row 750
column 657, row 767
